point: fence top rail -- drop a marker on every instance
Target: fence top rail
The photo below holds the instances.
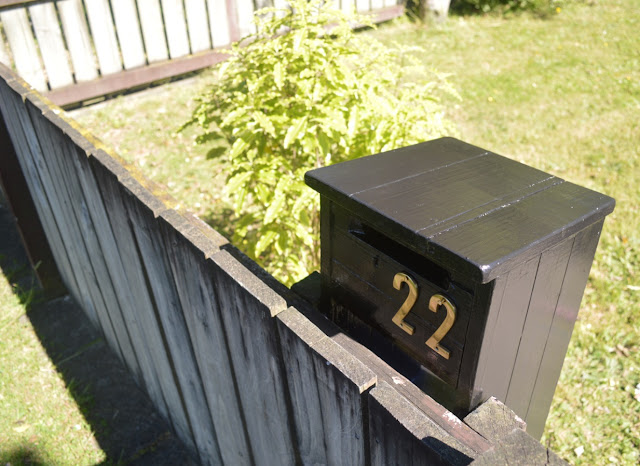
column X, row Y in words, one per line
column 88, row 56
column 8, row 3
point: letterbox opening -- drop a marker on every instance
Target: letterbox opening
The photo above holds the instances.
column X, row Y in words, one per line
column 401, row 254
column 463, row 263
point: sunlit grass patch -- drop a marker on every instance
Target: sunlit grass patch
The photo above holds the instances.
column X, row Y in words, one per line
column 40, row 422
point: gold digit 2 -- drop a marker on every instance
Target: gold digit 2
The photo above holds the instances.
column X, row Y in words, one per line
column 398, row 319
column 434, row 342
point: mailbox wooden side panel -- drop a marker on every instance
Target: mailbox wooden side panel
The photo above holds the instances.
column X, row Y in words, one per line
column 529, row 325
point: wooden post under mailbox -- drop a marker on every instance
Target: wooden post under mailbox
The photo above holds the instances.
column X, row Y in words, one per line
column 461, row 268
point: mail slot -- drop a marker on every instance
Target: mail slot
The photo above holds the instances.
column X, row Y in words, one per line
column 462, row 268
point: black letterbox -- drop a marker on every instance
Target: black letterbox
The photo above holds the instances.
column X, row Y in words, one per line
column 462, row 268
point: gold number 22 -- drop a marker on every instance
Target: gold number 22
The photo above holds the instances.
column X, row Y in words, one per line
column 436, row 300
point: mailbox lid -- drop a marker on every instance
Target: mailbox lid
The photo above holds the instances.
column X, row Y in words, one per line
column 461, row 206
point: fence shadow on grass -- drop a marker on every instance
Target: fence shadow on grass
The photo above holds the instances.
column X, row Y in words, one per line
column 122, row 418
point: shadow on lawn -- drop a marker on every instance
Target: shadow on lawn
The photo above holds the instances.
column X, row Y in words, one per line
column 121, row 416
column 24, row 455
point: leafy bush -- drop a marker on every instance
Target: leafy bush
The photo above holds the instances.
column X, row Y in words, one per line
column 306, row 91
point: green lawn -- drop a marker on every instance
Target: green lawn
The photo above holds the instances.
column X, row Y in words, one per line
column 561, row 94
column 40, row 422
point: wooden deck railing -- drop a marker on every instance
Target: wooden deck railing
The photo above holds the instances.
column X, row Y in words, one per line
column 77, row 50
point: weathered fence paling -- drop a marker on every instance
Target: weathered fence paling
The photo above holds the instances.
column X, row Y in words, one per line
column 77, row 50
column 14, row 184
column 244, row 370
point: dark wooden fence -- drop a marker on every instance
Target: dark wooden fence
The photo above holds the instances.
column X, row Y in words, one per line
column 76, row 50
column 244, row 370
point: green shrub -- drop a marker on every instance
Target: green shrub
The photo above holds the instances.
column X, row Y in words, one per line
column 294, row 97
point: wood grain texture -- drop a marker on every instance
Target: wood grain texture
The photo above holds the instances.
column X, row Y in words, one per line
column 233, row 21
column 155, row 42
column 127, row 305
column 197, row 25
column 402, row 434
column 175, row 28
column 9, row 98
column 79, row 233
column 378, row 172
column 54, row 53
column 456, row 434
column 195, row 232
column 23, row 47
column 243, row 378
column 5, row 3
column 557, row 342
column 365, row 264
column 326, row 386
column 129, row 35
column 28, row 148
column 61, row 155
column 112, row 180
column 534, row 226
column 224, row 29
column 127, row 79
column 542, row 307
column 456, row 217
column 494, row 420
column 172, row 321
column 104, row 36
column 192, row 274
column 445, row 184
column 519, row 449
column 76, row 150
column 78, row 39
column 201, row 229
column 502, row 350
column 25, row 212
column 483, row 328
column 247, row 306
column 441, row 199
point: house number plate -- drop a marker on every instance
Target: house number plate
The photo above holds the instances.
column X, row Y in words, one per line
column 435, row 302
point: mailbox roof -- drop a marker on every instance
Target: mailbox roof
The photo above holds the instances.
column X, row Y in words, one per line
column 460, row 205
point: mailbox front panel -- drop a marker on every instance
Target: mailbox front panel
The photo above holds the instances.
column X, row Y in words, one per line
column 399, row 293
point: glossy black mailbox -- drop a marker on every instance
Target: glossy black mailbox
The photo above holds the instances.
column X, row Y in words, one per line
column 462, row 268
